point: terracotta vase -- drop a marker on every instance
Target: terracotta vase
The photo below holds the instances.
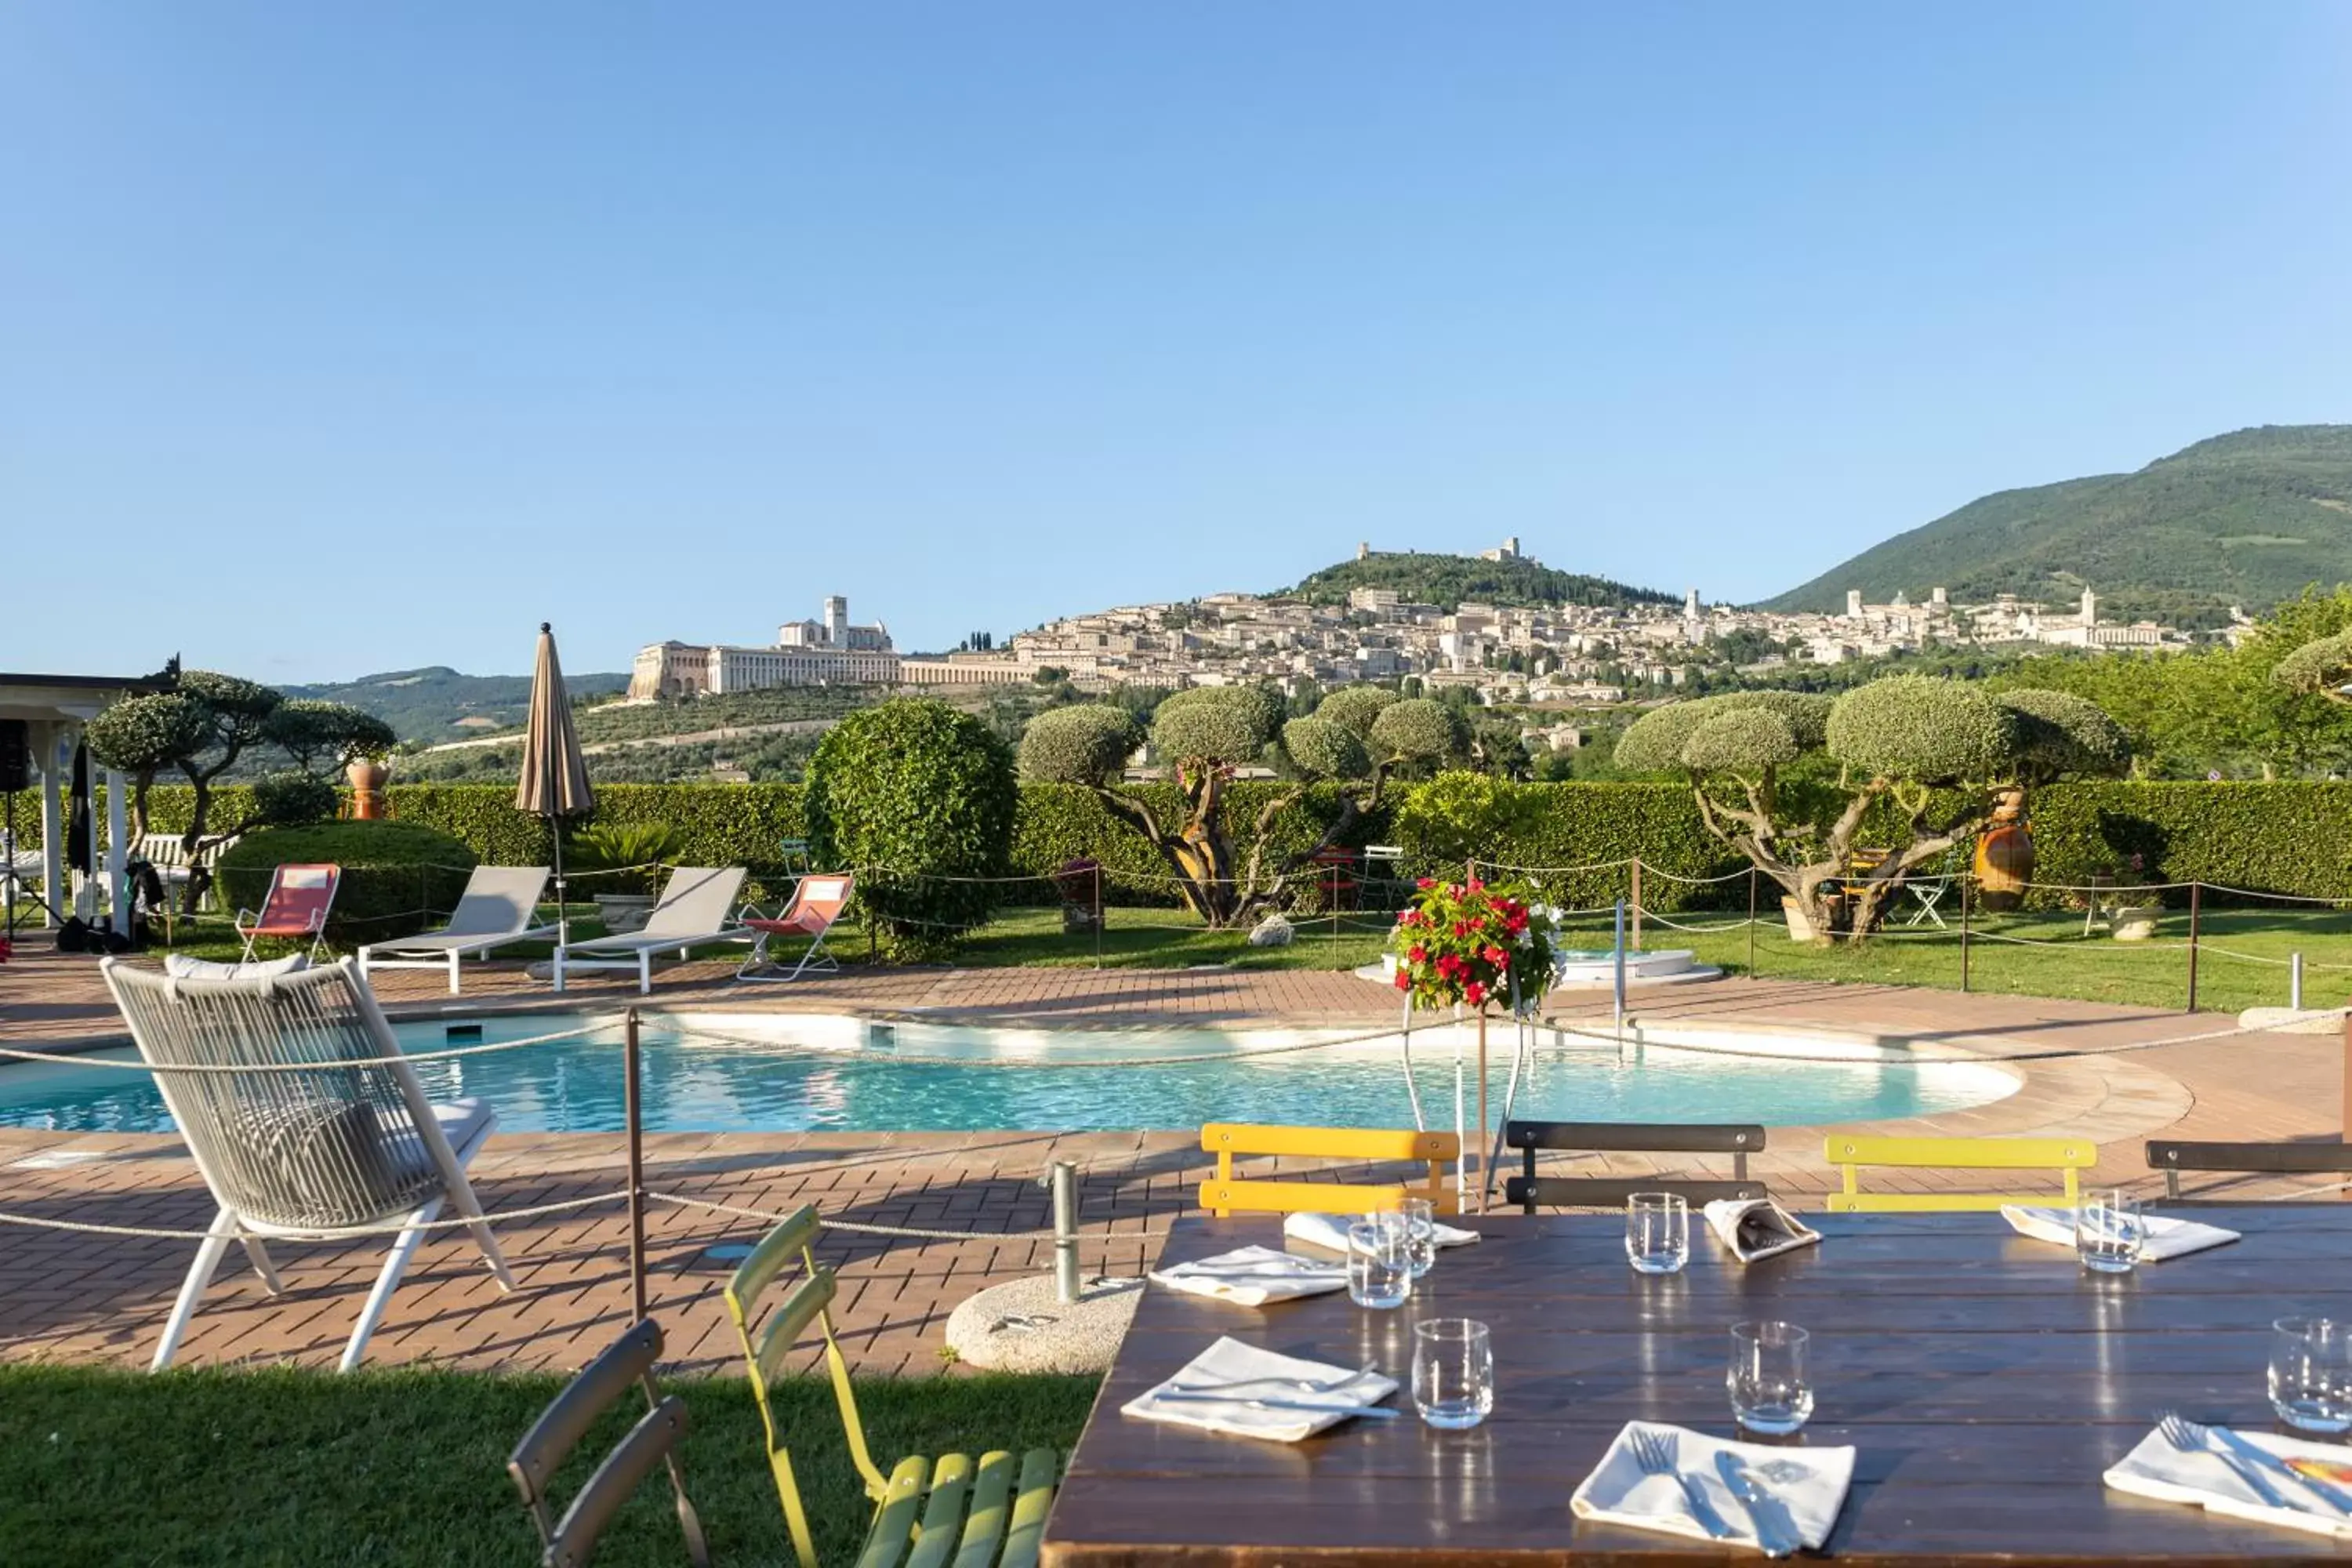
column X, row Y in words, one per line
column 367, row 782
column 2005, row 854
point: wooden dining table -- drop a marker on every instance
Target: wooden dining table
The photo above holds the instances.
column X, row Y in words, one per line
column 1985, row 1380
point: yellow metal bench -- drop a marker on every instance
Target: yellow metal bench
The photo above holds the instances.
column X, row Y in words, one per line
column 949, row 1512
column 1224, row 1193
column 2067, row 1156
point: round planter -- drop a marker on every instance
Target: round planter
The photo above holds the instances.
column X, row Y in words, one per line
column 2134, row 923
column 2004, row 859
column 624, row 911
column 367, row 781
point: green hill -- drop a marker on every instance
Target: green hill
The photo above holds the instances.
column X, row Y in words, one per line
column 1446, row 581
column 430, row 704
column 2245, row 519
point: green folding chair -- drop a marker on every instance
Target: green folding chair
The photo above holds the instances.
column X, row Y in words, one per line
column 948, row 1512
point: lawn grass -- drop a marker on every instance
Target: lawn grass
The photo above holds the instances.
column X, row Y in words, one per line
column 2242, row 961
column 408, row 1466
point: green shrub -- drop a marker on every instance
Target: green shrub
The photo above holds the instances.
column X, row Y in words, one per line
column 399, row 877
column 915, row 796
column 618, row 857
column 291, row 799
column 1084, row 745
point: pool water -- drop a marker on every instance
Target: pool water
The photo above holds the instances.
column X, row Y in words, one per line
column 698, row 1085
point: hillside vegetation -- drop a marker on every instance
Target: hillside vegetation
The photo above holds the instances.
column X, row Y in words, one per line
column 426, row 704
column 1446, row 581
column 2246, row 519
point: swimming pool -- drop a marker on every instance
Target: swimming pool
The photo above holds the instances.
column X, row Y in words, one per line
column 786, row 1073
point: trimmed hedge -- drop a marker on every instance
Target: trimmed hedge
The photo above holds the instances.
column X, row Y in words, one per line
column 399, row 877
column 2280, row 838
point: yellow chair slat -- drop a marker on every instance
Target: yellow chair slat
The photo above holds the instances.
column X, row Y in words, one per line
column 2066, row 1157
column 1329, row 1142
column 983, row 1527
column 777, row 1251
column 1040, row 1470
column 894, row 1522
column 1220, row 1196
column 942, row 1511
column 791, row 1316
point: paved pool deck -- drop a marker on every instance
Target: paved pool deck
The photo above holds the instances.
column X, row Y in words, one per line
column 2118, row 1076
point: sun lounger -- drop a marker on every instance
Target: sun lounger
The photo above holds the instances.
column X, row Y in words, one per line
column 816, row 903
column 696, row 908
column 496, row 910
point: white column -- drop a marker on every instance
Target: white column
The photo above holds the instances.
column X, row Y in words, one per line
column 118, row 879
column 53, row 828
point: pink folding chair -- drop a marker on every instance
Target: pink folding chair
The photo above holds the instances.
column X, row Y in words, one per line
column 299, row 898
column 816, row 903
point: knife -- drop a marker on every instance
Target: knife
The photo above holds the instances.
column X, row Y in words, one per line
column 1376, row 1412
column 1779, row 1537
column 2263, row 1458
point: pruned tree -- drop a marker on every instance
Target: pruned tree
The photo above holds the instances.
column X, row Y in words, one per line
column 141, row 737
column 324, row 737
column 1206, row 734
column 1925, row 753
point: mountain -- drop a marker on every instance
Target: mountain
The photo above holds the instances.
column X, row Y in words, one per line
column 1446, row 581
column 439, row 704
column 2245, row 519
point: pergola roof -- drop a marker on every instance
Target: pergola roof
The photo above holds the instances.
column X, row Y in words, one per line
column 67, row 699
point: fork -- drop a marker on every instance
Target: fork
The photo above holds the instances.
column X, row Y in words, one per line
column 2187, row 1436
column 1296, row 1384
column 1656, row 1453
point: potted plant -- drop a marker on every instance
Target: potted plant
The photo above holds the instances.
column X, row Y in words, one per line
column 2132, row 914
column 619, row 861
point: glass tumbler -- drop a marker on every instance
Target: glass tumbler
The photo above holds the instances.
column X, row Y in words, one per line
column 2108, row 1232
column 2311, row 1374
column 1380, row 1271
column 1767, row 1378
column 1421, row 1234
column 1657, row 1232
column 1453, row 1371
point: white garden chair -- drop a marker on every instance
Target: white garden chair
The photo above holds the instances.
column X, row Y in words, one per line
column 328, row 1134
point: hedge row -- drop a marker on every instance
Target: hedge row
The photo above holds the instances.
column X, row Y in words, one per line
column 2280, row 838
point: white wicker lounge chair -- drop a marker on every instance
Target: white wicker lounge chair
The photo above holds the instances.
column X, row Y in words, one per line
column 496, row 908
column 312, row 1147
column 696, row 908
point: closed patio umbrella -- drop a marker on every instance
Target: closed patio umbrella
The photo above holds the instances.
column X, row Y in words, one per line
column 81, row 835
column 554, row 783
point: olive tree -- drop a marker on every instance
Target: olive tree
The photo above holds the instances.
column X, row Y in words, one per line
column 1204, row 734
column 324, row 737
column 1911, row 755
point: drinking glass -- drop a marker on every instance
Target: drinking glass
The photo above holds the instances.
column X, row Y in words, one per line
column 2311, row 1374
column 2108, row 1232
column 1379, row 1273
column 1767, row 1378
column 1657, row 1232
column 1453, row 1371
column 1421, row 1234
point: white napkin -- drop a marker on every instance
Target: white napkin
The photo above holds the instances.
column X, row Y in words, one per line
column 1253, row 1276
column 2156, row 1469
column 1330, row 1230
column 1272, row 1380
column 1755, row 1228
column 1810, row 1483
column 2167, row 1236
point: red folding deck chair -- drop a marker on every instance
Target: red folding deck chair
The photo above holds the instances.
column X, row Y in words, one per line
column 815, row 904
column 299, row 898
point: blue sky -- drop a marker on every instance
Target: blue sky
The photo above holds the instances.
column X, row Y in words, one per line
column 338, row 338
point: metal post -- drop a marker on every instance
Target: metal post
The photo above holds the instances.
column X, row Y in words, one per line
column 1102, row 914
column 1964, row 931
column 1637, row 909
column 1620, row 968
column 1485, row 1150
column 1752, row 920
column 2195, row 904
column 1063, row 1176
column 1335, row 901
column 636, row 1167
column 2294, row 981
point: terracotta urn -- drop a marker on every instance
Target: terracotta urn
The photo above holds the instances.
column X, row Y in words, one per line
column 367, row 780
column 2005, row 854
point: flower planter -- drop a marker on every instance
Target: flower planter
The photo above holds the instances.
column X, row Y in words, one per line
column 2134, row 923
column 624, row 911
column 1801, row 921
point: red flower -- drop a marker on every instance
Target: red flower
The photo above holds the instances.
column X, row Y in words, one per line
column 1474, row 993
column 1426, row 883
column 1403, row 980
column 1473, row 885
column 1416, row 955
column 1478, row 922
column 1461, row 930
column 1495, row 955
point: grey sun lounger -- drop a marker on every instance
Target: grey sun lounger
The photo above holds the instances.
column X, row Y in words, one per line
column 497, row 907
column 697, row 908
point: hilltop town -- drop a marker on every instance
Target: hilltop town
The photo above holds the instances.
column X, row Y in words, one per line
column 1568, row 653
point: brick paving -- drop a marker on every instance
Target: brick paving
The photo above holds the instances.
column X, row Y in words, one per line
column 2116, row 1075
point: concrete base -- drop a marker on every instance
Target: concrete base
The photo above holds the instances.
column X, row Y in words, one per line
column 1023, row 1326
column 2287, row 1021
